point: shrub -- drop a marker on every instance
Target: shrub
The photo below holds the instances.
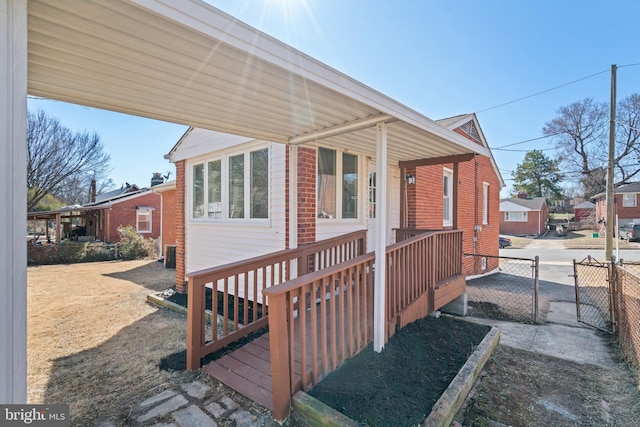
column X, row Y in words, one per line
column 134, row 246
column 69, row 252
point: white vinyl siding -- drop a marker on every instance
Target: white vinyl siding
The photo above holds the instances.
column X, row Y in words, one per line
column 213, row 242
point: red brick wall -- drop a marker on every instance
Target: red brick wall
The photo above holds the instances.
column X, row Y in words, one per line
column 424, row 199
column 124, row 213
column 425, row 210
column 471, row 176
column 287, row 163
column 168, row 218
column 181, row 261
column 306, row 195
column 624, row 213
column 534, row 220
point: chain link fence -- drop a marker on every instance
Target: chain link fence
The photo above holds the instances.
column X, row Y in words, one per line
column 626, row 303
column 631, row 266
column 608, row 298
column 509, row 292
column 593, row 296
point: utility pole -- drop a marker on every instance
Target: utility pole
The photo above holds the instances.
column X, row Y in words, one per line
column 608, row 246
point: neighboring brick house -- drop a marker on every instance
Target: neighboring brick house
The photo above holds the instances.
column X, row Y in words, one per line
column 523, row 216
column 139, row 208
column 584, row 211
column 480, row 183
column 233, row 194
column 626, row 203
column 167, row 192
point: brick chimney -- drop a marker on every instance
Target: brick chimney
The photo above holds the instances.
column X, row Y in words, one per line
column 522, row 195
column 93, row 191
column 156, row 179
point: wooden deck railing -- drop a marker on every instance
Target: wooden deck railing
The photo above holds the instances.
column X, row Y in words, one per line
column 239, row 289
column 319, row 320
column 415, row 268
column 405, row 233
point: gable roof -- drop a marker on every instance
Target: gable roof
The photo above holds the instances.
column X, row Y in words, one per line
column 533, row 204
column 187, row 62
column 117, row 192
column 632, row 187
column 585, row 205
column 468, row 123
column 117, row 198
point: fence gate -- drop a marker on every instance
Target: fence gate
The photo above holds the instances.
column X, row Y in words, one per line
column 510, row 292
column 593, row 293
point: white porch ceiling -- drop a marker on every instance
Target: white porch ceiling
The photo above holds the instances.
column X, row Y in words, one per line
column 187, row 62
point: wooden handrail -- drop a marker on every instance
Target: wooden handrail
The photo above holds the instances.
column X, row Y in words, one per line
column 405, row 233
column 242, row 286
column 320, row 319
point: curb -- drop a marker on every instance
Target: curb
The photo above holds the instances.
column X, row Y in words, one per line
column 308, row 411
column 446, row 408
column 159, row 301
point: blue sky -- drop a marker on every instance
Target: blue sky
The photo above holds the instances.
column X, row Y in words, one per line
column 441, row 58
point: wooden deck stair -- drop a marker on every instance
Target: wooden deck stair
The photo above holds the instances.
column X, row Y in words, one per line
column 247, row 370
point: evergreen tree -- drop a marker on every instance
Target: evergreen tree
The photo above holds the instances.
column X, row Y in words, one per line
column 538, row 176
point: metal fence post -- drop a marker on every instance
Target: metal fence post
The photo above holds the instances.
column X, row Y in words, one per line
column 536, row 288
column 613, row 285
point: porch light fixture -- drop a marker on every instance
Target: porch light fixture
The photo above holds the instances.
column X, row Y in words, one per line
column 411, row 179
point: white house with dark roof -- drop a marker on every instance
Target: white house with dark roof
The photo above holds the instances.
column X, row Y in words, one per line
column 523, row 216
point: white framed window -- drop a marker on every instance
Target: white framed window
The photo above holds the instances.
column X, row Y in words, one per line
column 515, row 216
column 231, row 187
column 337, row 185
column 447, row 197
column 144, row 219
column 629, row 200
column 485, row 203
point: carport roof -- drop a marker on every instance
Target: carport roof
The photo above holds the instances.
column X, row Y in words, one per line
column 187, row 62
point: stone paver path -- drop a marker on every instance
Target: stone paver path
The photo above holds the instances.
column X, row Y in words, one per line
column 194, row 404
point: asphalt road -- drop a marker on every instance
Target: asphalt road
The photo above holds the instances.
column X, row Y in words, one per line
column 556, row 264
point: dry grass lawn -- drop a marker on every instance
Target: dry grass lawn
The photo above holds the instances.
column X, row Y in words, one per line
column 93, row 340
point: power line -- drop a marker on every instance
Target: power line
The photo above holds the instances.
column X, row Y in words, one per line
column 627, row 126
column 556, row 87
column 629, row 65
column 522, row 151
column 528, row 140
column 547, row 90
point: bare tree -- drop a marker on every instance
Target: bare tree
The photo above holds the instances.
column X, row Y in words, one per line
column 60, row 160
column 627, row 156
column 581, row 131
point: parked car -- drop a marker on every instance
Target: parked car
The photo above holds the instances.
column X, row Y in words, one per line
column 504, row 242
column 630, row 232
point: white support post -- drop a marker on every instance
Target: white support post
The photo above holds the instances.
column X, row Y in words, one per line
column 379, row 318
column 293, row 196
column 13, row 193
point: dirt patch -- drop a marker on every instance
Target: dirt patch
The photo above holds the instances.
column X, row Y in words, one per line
column 522, row 388
column 94, row 343
column 400, row 385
